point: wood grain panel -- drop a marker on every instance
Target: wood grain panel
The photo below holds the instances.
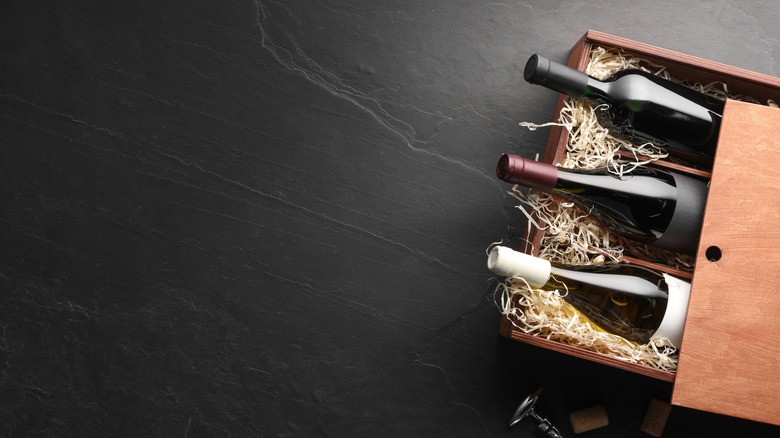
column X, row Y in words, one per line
column 730, row 355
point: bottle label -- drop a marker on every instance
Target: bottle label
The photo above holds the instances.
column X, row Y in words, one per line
column 682, row 234
column 672, row 325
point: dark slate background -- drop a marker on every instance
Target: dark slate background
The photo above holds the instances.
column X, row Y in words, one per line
column 269, row 218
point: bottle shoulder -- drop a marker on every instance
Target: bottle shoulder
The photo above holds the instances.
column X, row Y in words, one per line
column 617, row 277
column 637, row 84
column 641, row 182
column 636, row 72
column 618, row 268
column 634, row 85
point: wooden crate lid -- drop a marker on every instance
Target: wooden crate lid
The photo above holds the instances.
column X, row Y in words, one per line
column 730, row 356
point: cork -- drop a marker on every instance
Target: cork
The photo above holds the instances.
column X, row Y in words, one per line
column 655, row 417
column 588, row 419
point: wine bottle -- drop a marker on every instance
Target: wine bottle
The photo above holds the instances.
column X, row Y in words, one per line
column 629, row 301
column 640, row 107
column 655, row 207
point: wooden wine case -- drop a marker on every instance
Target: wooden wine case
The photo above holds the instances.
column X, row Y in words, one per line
column 730, row 358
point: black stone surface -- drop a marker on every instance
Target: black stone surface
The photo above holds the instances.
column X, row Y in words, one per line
column 269, row 218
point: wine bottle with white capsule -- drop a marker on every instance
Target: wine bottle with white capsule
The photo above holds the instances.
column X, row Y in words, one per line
column 629, row 301
column 655, row 207
column 639, row 106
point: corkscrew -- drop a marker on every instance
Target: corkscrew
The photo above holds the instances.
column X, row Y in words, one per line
column 526, row 409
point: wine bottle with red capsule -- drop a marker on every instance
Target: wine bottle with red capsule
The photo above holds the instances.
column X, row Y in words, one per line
column 655, row 207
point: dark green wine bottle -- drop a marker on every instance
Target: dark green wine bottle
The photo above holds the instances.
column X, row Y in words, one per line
column 640, row 107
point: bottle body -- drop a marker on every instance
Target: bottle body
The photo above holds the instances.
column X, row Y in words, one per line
column 640, row 107
column 654, row 207
column 632, row 302
column 629, row 302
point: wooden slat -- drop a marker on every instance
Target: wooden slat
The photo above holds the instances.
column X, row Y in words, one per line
column 730, row 356
column 508, row 330
column 659, row 268
column 676, row 167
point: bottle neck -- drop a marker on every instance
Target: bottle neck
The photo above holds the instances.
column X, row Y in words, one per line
column 597, row 90
column 642, row 183
column 557, row 271
column 555, row 76
column 577, row 182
